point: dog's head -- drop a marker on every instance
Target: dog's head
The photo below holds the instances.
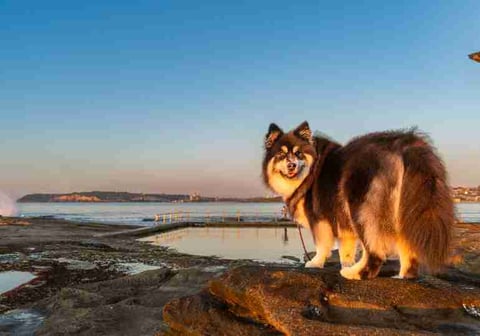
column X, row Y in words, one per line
column 288, row 158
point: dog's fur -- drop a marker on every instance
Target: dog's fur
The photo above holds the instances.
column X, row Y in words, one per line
column 388, row 190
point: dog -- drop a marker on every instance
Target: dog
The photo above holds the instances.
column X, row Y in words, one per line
column 388, row 191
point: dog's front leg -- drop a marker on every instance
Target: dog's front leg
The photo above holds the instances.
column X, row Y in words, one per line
column 347, row 248
column 324, row 240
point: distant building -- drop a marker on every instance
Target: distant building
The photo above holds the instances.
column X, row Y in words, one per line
column 466, row 194
column 194, row 197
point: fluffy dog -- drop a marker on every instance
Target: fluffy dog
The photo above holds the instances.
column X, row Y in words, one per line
column 388, row 190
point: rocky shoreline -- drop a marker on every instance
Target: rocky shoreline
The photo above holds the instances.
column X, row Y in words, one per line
column 91, row 282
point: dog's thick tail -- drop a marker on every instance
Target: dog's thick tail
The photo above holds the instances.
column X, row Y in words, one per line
column 426, row 215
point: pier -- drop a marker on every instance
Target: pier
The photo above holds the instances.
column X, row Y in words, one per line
column 238, row 216
column 166, row 222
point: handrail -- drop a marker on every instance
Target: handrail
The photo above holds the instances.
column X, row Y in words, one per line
column 218, row 216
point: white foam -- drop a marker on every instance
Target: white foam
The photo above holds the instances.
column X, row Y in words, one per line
column 135, row 268
column 7, row 206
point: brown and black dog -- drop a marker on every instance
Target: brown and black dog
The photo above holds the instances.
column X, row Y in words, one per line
column 388, row 190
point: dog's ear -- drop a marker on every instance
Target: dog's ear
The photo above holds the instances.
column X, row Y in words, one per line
column 303, row 131
column 272, row 135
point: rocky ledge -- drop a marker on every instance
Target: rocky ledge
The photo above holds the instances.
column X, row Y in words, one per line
column 88, row 284
column 252, row 300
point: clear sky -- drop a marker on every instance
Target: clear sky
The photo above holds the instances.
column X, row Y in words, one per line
column 176, row 96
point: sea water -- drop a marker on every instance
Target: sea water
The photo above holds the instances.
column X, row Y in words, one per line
column 135, row 213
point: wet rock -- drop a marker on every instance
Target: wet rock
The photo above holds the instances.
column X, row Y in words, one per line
column 4, row 221
column 12, row 258
column 133, row 268
column 73, row 264
column 92, row 243
column 21, row 322
column 209, row 316
column 291, row 258
column 130, row 305
column 321, row 302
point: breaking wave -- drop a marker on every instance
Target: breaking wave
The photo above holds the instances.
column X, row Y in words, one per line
column 8, row 207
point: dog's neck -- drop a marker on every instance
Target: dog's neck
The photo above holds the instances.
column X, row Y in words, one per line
column 299, row 193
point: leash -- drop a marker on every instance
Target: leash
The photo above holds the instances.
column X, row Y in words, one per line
column 303, row 243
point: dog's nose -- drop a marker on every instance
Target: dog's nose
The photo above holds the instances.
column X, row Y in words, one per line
column 291, row 165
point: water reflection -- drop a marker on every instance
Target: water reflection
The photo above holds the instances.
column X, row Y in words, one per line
column 268, row 244
column 12, row 279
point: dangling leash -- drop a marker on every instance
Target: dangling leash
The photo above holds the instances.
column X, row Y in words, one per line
column 302, row 189
column 303, row 243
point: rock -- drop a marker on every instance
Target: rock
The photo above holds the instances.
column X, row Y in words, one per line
column 92, row 243
column 4, row 221
column 320, row 302
column 73, row 264
column 208, row 316
column 130, row 305
column 11, row 258
column 20, row 322
column 291, row 258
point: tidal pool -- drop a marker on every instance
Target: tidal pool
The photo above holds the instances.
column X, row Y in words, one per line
column 12, row 279
column 266, row 244
column 20, row 322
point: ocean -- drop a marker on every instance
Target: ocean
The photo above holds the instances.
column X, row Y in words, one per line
column 135, row 213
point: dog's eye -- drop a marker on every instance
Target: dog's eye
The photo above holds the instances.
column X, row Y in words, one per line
column 299, row 155
column 281, row 156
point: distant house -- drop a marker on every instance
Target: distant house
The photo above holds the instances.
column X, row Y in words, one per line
column 194, row 197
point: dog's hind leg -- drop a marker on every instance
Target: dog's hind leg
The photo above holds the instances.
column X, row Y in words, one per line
column 375, row 240
column 324, row 240
column 408, row 261
column 366, row 268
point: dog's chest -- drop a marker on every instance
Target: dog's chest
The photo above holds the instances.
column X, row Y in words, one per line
column 300, row 215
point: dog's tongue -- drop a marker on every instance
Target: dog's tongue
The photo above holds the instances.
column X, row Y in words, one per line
column 292, row 174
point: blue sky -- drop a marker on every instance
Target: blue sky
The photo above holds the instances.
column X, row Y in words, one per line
column 175, row 96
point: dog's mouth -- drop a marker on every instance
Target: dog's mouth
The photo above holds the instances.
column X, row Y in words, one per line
column 292, row 173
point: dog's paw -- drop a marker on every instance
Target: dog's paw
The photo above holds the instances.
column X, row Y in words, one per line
column 350, row 273
column 404, row 276
column 346, row 264
column 314, row 263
